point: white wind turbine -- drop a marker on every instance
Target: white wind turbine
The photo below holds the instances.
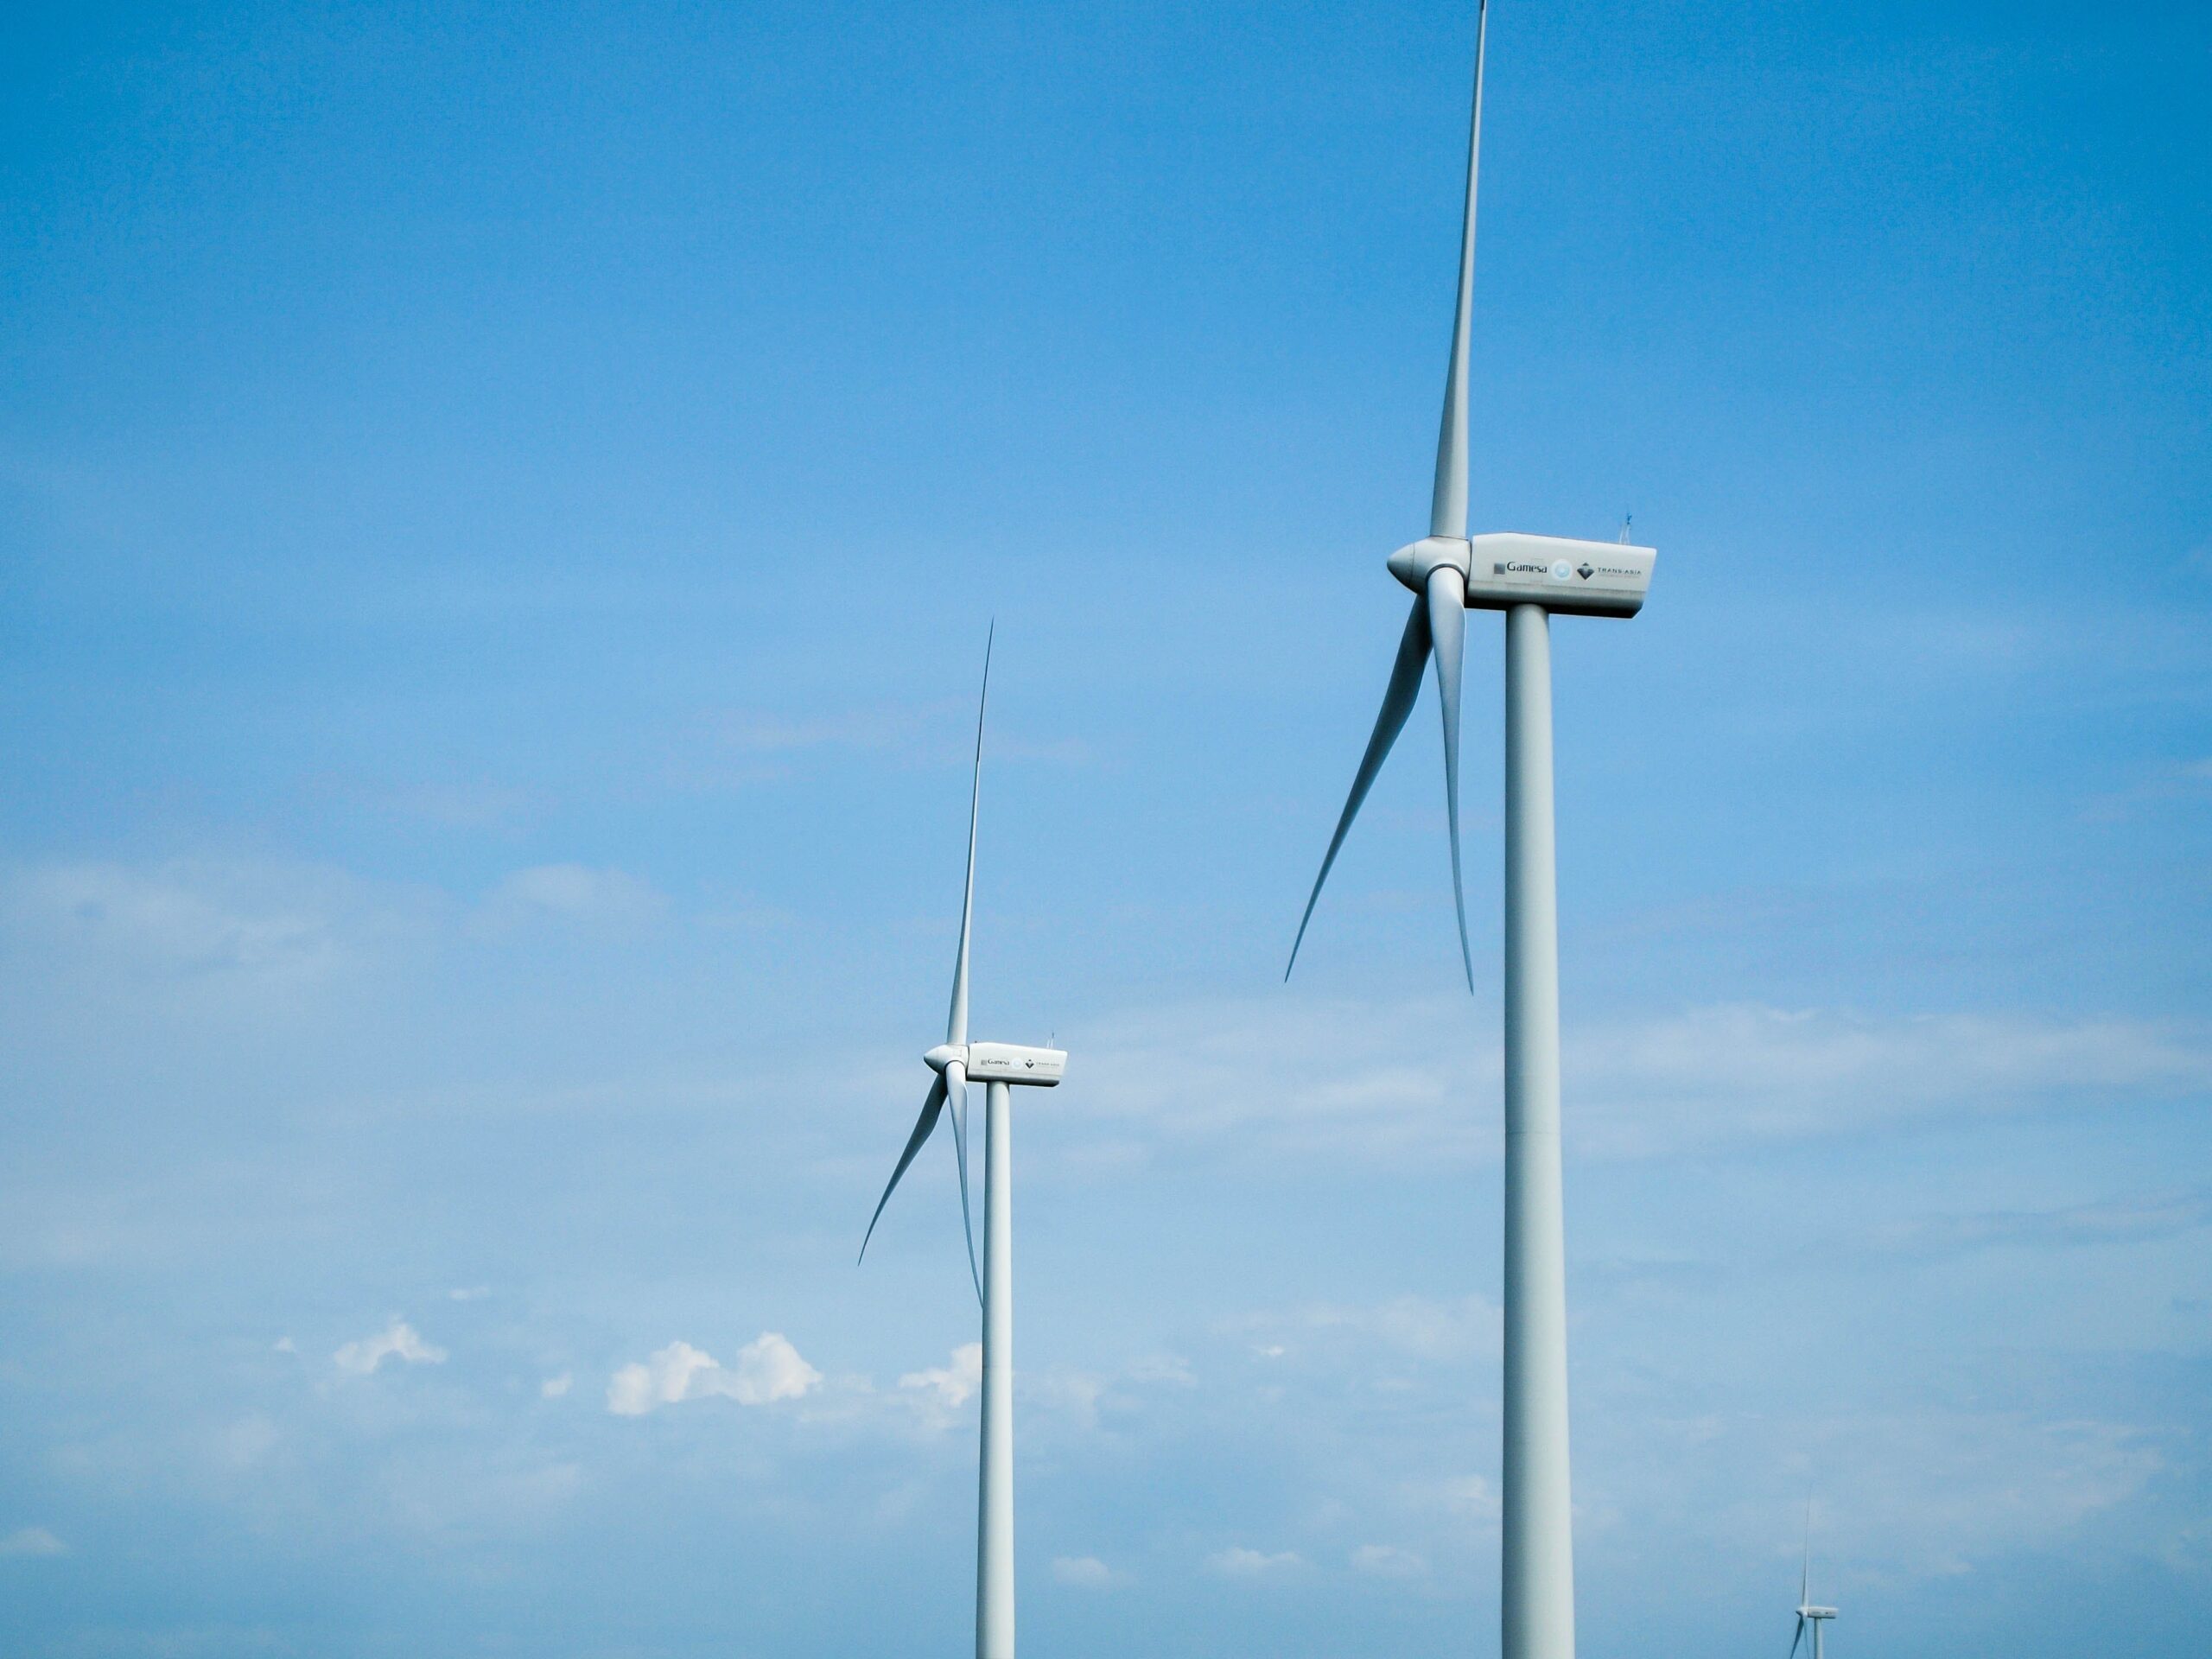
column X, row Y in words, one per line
column 1807, row 1612
column 1002, row 1067
column 1528, row 578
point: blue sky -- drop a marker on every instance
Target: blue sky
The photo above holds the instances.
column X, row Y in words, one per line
column 498, row 512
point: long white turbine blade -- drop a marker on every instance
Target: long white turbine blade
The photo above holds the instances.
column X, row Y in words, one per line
column 931, row 1109
column 1447, row 627
column 1805, row 1578
column 1448, row 513
column 956, row 1085
column 1800, row 1637
column 1397, row 704
column 955, row 1024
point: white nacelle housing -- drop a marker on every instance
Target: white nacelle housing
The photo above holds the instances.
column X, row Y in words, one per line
column 1036, row 1068
column 1506, row 569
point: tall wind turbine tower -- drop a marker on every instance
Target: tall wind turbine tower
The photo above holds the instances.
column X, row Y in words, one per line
column 1530, row 579
column 1002, row 1068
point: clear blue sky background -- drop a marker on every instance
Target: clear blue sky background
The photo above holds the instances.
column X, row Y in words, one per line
column 498, row 512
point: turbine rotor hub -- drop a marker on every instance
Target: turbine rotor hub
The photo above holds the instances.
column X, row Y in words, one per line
column 1412, row 563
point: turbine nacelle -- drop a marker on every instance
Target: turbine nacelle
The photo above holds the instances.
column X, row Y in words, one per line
column 1508, row 568
column 1011, row 1063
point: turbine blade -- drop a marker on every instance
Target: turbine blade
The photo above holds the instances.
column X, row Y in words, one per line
column 1448, row 514
column 955, row 1024
column 1805, row 1581
column 1397, row 703
column 956, row 1085
column 1447, row 629
column 1800, row 1637
column 931, row 1107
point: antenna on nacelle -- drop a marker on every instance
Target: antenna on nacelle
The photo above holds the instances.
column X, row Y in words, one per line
column 1627, row 518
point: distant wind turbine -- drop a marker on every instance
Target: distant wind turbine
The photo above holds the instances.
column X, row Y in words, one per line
column 1807, row 1612
column 1002, row 1067
column 1529, row 578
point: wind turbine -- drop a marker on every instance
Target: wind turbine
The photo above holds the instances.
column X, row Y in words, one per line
column 1529, row 578
column 1002, row 1067
column 1807, row 1612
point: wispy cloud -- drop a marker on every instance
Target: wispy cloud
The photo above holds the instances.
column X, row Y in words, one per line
column 942, row 728
column 1904, row 1495
column 1746, row 1072
column 398, row 1340
column 1390, row 1084
column 1388, row 1561
column 2182, row 781
column 762, row 733
column 768, row 1369
column 181, row 917
column 951, row 1385
column 1238, row 1562
column 573, row 893
column 1406, row 1327
column 456, row 806
column 1470, row 1498
column 32, row 1540
column 2119, row 1222
column 1083, row 1573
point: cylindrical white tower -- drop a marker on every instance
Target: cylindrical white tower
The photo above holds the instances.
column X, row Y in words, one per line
column 994, row 1534
column 1537, row 1578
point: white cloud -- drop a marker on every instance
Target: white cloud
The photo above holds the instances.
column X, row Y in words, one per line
column 398, row 1340
column 1302, row 1076
column 935, row 731
column 1076, row 1395
column 1745, row 1072
column 246, row 1443
column 1083, row 1572
column 2119, row 1222
column 1388, row 1561
column 32, row 1540
column 1932, row 1492
column 283, row 1346
column 464, row 806
column 182, row 918
column 1239, row 1563
column 469, row 1293
column 2185, row 782
column 1466, row 1502
column 1162, row 1367
column 768, row 1369
column 951, row 1385
column 663, row 1380
column 1407, row 1327
column 554, row 1387
column 759, row 733
column 574, row 893
column 1395, row 1083
column 1902, row 1495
